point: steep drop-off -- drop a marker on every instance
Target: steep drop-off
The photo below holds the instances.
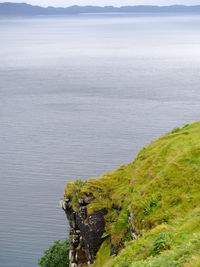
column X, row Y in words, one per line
column 144, row 214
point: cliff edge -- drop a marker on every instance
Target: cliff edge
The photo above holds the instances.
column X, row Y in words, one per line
column 144, row 214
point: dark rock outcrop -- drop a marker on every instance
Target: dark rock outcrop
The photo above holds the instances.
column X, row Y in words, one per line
column 85, row 232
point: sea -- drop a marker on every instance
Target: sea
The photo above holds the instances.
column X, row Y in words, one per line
column 80, row 95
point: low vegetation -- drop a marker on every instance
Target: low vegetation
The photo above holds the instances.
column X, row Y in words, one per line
column 161, row 189
column 56, row 256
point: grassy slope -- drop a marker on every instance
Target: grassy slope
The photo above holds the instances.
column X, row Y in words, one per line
column 161, row 188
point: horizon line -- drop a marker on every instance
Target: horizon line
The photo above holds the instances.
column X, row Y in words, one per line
column 142, row 5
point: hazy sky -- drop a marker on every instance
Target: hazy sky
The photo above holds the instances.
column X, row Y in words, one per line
column 65, row 3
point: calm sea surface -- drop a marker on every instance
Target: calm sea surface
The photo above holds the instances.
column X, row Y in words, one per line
column 79, row 96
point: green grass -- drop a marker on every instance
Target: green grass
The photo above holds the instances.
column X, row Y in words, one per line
column 166, row 245
column 103, row 254
column 162, row 190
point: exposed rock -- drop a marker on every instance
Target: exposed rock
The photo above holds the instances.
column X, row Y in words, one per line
column 85, row 232
column 133, row 232
column 85, row 200
column 114, row 250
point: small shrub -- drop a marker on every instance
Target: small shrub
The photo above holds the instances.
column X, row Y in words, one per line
column 162, row 242
column 175, row 130
column 149, row 204
column 56, row 256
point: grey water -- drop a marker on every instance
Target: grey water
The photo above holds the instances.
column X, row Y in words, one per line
column 79, row 96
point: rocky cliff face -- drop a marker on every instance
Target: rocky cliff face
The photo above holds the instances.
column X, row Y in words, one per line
column 85, row 232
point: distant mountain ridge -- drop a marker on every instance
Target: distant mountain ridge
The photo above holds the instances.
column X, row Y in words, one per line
column 26, row 9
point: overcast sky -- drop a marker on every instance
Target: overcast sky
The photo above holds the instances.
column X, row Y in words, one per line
column 65, row 3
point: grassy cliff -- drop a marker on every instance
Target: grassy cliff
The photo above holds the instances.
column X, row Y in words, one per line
column 159, row 194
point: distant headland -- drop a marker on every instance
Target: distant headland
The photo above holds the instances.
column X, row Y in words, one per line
column 26, row 9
